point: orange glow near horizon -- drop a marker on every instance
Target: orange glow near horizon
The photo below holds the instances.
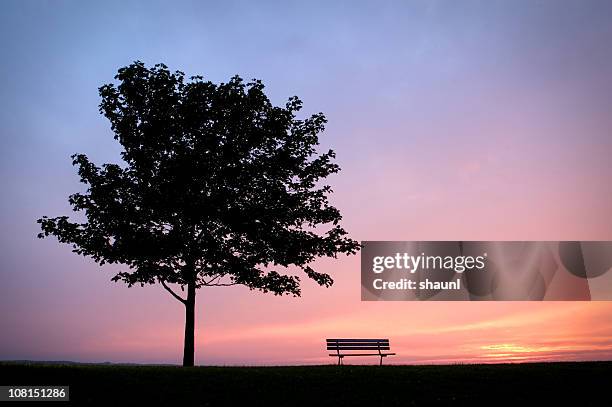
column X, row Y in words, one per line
column 503, row 333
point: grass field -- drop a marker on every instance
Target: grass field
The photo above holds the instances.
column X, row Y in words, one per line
column 517, row 384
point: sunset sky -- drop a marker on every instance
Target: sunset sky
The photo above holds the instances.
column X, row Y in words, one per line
column 470, row 120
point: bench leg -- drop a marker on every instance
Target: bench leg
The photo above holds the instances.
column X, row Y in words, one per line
column 381, row 360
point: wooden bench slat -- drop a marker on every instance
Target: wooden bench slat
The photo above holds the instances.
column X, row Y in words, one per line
column 357, row 340
column 359, row 348
column 357, row 343
column 344, row 345
column 362, row 354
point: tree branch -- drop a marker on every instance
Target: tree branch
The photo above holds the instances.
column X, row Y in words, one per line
column 218, row 276
column 211, row 282
column 175, row 295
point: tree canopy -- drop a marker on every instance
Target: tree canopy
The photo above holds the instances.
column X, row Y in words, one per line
column 217, row 187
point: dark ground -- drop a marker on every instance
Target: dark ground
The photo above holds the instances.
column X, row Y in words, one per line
column 580, row 384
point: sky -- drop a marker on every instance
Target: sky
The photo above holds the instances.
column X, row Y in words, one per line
column 470, row 120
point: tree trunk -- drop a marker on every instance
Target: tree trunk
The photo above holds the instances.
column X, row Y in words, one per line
column 189, row 348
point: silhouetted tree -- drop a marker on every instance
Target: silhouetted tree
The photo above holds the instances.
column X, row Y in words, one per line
column 218, row 187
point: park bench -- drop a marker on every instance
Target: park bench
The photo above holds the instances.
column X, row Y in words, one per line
column 348, row 347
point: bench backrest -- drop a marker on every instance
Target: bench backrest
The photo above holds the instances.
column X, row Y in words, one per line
column 358, row 344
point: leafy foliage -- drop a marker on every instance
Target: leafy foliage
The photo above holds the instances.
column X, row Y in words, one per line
column 218, row 186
